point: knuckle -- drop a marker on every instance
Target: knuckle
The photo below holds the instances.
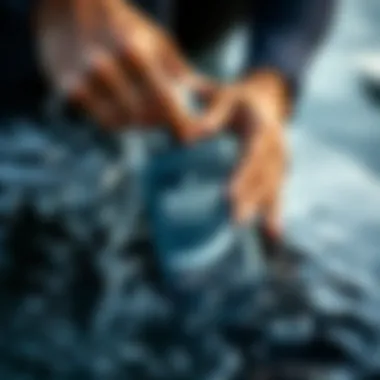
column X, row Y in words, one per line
column 99, row 62
column 74, row 87
column 260, row 126
column 124, row 47
column 132, row 47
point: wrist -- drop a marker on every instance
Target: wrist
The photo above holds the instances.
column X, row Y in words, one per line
column 275, row 86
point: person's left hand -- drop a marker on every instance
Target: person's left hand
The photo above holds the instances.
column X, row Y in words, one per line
column 257, row 108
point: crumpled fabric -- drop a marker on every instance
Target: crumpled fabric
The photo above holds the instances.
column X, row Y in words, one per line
column 83, row 295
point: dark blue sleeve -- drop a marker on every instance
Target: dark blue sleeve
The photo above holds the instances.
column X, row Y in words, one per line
column 286, row 33
column 19, row 7
column 18, row 63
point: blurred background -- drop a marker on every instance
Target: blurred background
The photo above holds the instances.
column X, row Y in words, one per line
column 332, row 205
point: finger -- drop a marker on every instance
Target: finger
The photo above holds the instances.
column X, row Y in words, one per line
column 199, row 84
column 257, row 142
column 116, row 86
column 272, row 217
column 145, row 110
column 256, row 191
column 250, row 164
column 173, row 61
column 258, row 187
column 247, row 187
column 219, row 112
column 249, row 201
column 181, row 70
column 85, row 96
column 169, row 95
column 252, row 205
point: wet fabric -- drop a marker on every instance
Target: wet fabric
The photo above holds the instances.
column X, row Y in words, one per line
column 83, row 296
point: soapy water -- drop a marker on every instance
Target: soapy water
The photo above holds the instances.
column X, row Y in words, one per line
column 81, row 296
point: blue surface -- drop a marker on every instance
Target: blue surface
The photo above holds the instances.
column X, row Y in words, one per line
column 333, row 195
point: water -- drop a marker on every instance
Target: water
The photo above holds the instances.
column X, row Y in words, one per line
column 80, row 300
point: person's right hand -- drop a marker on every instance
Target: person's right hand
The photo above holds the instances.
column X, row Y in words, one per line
column 109, row 58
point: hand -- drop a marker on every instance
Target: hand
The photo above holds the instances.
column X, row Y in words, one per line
column 109, row 58
column 257, row 109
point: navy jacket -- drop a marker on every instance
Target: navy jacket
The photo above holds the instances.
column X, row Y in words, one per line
column 286, row 33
